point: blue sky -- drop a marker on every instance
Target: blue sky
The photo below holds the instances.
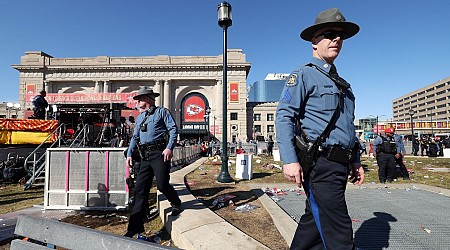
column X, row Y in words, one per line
column 402, row 46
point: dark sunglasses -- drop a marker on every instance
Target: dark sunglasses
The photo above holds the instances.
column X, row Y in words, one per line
column 332, row 34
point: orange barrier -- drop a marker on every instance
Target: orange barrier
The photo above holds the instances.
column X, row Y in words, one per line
column 26, row 131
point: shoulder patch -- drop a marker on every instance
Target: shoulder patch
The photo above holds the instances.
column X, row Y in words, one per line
column 292, row 81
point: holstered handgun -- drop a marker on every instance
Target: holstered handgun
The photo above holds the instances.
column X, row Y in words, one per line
column 306, row 153
column 137, row 155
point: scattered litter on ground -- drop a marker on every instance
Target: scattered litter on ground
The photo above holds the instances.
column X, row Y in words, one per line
column 201, row 168
column 426, row 176
column 258, row 161
column 276, row 198
column 425, row 229
column 221, row 199
column 268, row 166
column 245, row 208
column 191, row 183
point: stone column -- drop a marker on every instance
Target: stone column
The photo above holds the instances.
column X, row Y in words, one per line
column 157, row 89
column 97, row 87
column 106, row 85
column 167, row 94
column 46, row 87
column 218, row 112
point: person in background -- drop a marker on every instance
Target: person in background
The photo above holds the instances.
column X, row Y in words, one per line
column 211, row 147
column 39, row 105
column 362, row 147
column 154, row 124
column 309, row 100
column 440, row 146
column 389, row 151
column 416, row 145
column 433, row 148
column 270, row 144
column 424, row 145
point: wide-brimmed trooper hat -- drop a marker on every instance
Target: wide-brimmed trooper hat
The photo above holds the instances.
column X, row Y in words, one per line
column 330, row 18
column 146, row 92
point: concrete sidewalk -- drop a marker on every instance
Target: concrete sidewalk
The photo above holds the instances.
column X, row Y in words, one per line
column 197, row 227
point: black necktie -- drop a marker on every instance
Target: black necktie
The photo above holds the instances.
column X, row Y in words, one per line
column 333, row 72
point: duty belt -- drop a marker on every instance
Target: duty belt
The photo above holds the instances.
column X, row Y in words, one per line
column 337, row 154
column 159, row 145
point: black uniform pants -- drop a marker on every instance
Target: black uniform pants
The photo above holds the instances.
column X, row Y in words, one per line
column 423, row 148
column 386, row 167
column 153, row 166
column 403, row 170
column 326, row 223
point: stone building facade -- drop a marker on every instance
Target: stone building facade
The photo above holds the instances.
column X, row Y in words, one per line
column 188, row 86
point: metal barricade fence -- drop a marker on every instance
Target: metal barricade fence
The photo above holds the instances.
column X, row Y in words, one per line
column 94, row 178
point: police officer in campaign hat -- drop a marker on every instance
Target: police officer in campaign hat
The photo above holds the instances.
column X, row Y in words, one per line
column 149, row 137
column 389, row 151
column 317, row 106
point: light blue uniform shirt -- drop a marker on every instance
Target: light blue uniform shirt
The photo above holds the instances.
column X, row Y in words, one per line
column 312, row 97
column 398, row 144
column 158, row 125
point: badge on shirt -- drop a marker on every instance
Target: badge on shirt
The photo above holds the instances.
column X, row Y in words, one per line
column 292, row 81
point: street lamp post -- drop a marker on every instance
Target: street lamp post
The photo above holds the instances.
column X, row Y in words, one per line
column 411, row 113
column 215, row 117
column 431, row 115
column 12, row 106
column 224, row 16
column 208, row 111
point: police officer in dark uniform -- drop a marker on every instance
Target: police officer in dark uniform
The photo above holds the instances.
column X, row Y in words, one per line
column 424, row 145
column 416, row 145
column 389, row 151
column 308, row 101
column 401, row 170
column 149, row 137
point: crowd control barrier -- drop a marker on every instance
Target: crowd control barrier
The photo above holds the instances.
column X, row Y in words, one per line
column 93, row 178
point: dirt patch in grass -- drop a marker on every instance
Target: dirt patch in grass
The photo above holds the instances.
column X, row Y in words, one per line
column 14, row 198
column 117, row 222
column 256, row 223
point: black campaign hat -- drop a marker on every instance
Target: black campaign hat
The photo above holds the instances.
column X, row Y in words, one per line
column 330, row 18
column 147, row 92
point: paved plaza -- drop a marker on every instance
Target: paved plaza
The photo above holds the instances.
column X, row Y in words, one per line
column 397, row 217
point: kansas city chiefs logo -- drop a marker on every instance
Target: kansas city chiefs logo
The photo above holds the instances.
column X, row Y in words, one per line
column 193, row 109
